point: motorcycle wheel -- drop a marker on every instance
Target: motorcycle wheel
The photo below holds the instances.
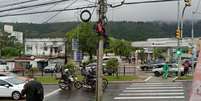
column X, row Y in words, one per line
column 62, row 85
column 78, row 84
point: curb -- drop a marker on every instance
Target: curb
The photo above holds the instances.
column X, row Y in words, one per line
column 49, row 84
column 183, row 80
column 119, row 82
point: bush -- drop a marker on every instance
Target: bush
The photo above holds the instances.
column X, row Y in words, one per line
column 32, row 71
column 71, row 66
column 112, row 65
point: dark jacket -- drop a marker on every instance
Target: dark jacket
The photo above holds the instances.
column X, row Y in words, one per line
column 33, row 91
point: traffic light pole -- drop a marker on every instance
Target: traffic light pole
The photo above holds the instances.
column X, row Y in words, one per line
column 178, row 41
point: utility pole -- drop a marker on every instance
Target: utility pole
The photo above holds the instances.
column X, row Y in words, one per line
column 102, row 8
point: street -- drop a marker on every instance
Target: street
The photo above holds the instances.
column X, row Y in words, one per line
column 177, row 91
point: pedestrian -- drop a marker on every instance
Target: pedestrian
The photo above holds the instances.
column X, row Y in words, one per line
column 165, row 70
column 33, row 91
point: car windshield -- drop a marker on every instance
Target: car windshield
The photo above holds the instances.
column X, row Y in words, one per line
column 15, row 81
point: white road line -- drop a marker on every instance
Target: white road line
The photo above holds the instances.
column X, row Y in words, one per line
column 155, row 85
column 53, row 92
column 138, row 88
column 148, row 94
column 148, row 79
column 142, row 91
column 151, row 97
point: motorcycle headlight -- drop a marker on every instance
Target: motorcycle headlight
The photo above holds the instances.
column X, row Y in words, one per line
column 76, row 78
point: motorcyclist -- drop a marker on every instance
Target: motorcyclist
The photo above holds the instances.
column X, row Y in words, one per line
column 91, row 75
column 66, row 75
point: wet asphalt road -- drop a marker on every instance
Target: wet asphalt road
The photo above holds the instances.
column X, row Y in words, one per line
column 114, row 90
column 86, row 94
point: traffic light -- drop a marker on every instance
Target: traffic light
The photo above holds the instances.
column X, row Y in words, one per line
column 178, row 34
column 178, row 52
column 187, row 2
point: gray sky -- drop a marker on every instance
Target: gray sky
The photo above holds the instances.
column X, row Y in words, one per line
column 142, row 12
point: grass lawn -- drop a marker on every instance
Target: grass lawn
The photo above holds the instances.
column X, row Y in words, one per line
column 185, row 78
column 47, row 79
column 52, row 79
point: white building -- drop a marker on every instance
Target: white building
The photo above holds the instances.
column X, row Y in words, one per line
column 164, row 42
column 17, row 35
column 45, row 47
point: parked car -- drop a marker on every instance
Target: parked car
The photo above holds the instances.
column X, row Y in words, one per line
column 148, row 67
column 11, row 87
column 94, row 65
column 173, row 69
column 50, row 68
column 3, row 74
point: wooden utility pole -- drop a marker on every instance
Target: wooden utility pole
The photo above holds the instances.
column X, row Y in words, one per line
column 102, row 8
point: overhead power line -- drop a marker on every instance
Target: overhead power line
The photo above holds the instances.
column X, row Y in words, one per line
column 18, row 3
column 60, row 11
column 36, row 5
column 51, row 11
column 85, row 7
column 141, row 2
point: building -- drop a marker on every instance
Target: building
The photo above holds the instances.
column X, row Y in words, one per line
column 16, row 34
column 53, row 47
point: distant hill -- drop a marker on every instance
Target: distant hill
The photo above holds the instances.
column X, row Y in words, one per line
column 133, row 31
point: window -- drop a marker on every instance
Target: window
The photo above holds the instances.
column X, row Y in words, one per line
column 45, row 48
column 3, row 83
column 29, row 48
column 15, row 81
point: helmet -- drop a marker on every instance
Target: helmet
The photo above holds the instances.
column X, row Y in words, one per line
column 66, row 70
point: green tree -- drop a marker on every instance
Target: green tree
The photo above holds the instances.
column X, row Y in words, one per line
column 88, row 39
column 120, row 47
column 112, row 66
column 9, row 45
column 157, row 53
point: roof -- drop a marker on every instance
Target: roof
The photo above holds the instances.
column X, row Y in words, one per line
column 5, row 77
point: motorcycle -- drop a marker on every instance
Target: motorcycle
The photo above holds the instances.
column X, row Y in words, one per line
column 64, row 84
column 90, row 84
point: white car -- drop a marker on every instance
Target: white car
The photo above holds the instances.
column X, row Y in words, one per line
column 50, row 68
column 11, row 87
column 158, row 69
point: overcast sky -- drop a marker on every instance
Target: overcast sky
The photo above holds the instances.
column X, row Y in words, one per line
column 142, row 12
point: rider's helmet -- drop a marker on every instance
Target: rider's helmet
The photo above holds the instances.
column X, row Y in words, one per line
column 66, row 70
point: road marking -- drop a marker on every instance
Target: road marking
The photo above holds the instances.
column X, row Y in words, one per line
column 151, row 97
column 148, row 94
column 174, row 79
column 53, row 92
column 155, row 85
column 142, row 91
column 138, row 88
column 148, row 79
